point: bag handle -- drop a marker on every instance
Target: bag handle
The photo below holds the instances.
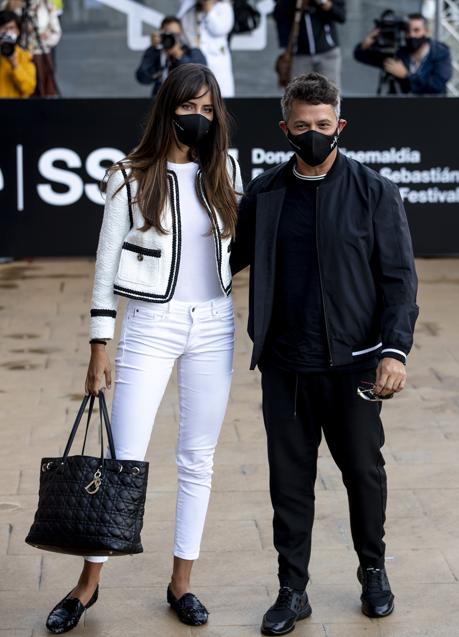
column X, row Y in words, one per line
column 108, row 427
column 104, row 420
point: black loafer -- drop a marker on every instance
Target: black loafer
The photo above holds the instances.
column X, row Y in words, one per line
column 188, row 608
column 67, row 613
column 290, row 606
column 377, row 598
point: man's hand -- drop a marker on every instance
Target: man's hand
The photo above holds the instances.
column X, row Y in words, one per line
column 370, row 39
column 155, row 39
column 208, row 5
column 395, row 68
column 390, row 377
column 176, row 51
column 325, row 6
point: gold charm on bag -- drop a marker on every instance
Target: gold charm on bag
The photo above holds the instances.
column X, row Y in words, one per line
column 94, row 486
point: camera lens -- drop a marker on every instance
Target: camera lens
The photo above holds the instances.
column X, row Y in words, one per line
column 168, row 40
column 7, row 49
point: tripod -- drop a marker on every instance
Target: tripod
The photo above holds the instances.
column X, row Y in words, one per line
column 387, row 84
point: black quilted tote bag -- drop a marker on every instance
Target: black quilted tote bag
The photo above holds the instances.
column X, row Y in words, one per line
column 89, row 505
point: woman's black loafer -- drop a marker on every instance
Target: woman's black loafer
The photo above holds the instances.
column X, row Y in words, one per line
column 67, row 613
column 188, row 608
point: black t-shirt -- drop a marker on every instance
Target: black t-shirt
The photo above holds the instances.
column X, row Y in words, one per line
column 297, row 338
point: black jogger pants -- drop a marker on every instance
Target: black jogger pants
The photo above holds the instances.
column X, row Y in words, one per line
column 296, row 408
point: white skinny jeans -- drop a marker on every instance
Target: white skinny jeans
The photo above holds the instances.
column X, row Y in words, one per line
column 200, row 337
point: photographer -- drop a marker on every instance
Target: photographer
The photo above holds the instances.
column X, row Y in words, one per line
column 168, row 50
column 208, row 24
column 40, row 34
column 317, row 47
column 420, row 66
column 17, row 71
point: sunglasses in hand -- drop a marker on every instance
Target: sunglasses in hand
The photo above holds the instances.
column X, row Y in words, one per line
column 365, row 390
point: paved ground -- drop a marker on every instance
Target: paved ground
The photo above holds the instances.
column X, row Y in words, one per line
column 43, row 356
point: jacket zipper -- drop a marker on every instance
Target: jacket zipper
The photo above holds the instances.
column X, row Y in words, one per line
column 320, row 279
column 296, row 395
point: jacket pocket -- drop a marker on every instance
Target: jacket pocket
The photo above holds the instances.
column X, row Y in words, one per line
column 139, row 265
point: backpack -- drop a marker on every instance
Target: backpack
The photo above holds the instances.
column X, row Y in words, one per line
column 246, row 17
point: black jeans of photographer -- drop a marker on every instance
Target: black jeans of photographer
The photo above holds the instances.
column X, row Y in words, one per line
column 296, row 408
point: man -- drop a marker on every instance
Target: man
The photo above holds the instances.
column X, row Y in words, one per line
column 168, row 50
column 421, row 67
column 317, row 48
column 17, row 71
column 331, row 314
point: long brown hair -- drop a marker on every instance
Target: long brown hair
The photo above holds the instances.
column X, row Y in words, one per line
column 147, row 161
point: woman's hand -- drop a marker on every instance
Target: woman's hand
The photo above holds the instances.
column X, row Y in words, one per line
column 99, row 366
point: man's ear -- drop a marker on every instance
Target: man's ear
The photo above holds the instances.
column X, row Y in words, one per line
column 341, row 125
column 283, row 127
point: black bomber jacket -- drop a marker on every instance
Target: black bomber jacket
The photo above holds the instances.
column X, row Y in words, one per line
column 366, row 263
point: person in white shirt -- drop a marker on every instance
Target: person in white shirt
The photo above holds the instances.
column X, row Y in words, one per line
column 207, row 25
column 169, row 220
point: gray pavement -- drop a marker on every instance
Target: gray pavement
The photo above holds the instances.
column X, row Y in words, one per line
column 43, row 358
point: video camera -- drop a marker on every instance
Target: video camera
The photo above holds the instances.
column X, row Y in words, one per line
column 7, row 45
column 392, row 33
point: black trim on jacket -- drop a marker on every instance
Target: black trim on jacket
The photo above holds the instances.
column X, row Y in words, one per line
column 217, row 235
column 110, row 313
column 140, row 250
column 129, row 194
column 365, row 255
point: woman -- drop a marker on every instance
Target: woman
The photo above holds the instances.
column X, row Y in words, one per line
column 169, row 254
column 207, row 25
column 41, row 32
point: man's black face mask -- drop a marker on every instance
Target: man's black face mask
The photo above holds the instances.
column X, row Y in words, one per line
column 414, row 44
column 313, row 147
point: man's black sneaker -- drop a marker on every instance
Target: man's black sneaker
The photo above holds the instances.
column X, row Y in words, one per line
column 377, row 598
column 290, row 606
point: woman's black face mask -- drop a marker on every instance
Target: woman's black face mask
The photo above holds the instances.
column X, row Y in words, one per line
column 191, row 129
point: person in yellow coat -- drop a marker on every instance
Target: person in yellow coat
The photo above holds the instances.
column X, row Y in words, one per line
column 18, row 77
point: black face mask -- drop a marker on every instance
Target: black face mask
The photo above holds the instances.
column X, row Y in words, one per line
column 414, row 44
column 313, row 147
column 191, row 129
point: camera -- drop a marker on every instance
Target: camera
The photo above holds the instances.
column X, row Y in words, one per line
column 168, row 40
column 7, row 44
column 392, row 32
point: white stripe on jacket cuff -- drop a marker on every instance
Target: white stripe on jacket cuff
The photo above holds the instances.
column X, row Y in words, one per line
column 396, row 351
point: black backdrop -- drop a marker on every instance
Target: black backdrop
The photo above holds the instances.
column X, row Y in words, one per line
column 53, row 152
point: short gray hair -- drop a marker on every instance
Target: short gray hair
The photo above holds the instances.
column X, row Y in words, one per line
column 312, row 88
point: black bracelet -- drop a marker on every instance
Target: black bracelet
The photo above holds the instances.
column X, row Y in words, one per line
column 98, row 340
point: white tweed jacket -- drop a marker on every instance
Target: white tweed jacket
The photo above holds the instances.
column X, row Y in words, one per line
column 145, row 265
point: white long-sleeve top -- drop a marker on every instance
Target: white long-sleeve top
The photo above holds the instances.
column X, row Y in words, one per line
column 197, row 279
